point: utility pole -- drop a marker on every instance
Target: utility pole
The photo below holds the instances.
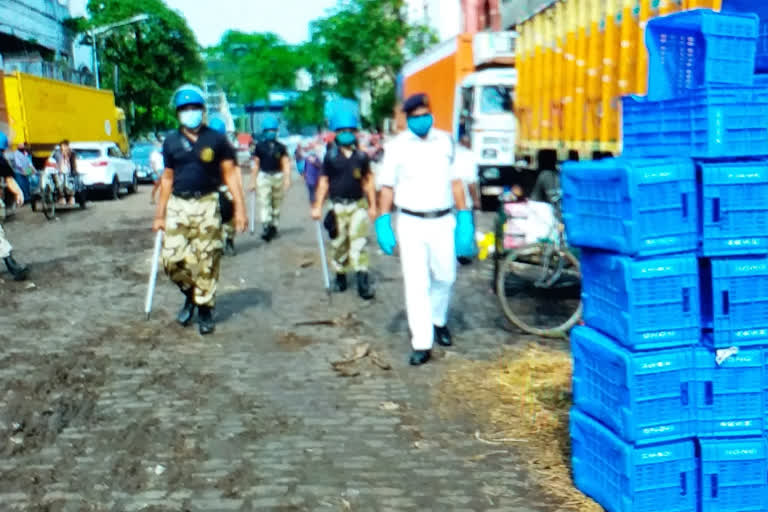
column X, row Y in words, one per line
column 97, row 31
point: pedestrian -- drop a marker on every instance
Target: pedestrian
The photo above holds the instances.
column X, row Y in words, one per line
column 418, row 177
column 66, row 166
column 346, row 179
column 197, row 161
column 228, row 225
column 16, row 269
column 313, row 166
column 271, row 176
column 24, row 170
column 158, row 166
column 466, row 166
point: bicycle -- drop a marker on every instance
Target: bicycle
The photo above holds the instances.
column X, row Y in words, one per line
column 47, row 195
column 539, row 284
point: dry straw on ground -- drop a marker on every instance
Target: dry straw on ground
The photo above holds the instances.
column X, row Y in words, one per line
column 525, row 397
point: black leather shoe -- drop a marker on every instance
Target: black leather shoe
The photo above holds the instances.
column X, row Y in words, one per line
column 364, row 286
column 443, row 336
column 419, row 357
column 187, row 311
column 341, row 283
column 272, row 232
column 205, row 321
column 16, row 269
column 266, row 234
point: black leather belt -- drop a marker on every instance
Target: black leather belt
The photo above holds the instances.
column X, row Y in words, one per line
column 192, row 195
column 433, row 214
column 271, row 172
column 345, row 200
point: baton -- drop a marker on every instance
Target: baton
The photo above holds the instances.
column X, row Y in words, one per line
column 324, row 261
column 253, row 211
column 153, row 273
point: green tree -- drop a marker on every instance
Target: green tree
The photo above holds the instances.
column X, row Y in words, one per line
column 152, row 58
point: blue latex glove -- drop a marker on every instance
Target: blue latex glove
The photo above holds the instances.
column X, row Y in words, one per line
column 385, row 235
column 465, row 234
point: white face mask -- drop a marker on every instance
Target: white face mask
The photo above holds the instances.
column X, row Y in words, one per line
column 191, row 119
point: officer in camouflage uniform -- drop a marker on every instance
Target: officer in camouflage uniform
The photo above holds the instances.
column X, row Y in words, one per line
column 17, row 270
column 347, row 179
column 227, row 228
column 271, row 176
column 197, row 160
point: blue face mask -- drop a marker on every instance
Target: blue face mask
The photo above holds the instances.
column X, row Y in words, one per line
column 191, row 119
column 345, row 138
column 420, row 125
column 270, row 135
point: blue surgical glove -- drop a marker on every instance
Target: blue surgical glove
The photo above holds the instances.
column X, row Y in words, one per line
column 465, row 234
column 385, row 235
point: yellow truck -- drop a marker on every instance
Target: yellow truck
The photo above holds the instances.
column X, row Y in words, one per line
column 575, row 59
column 42, row 112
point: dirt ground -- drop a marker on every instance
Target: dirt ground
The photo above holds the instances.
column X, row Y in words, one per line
column 101, row 410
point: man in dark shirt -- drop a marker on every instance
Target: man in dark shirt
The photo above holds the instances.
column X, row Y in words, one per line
column 17, row 270
column 271, row 176
column 347, row 179
column 197, row 161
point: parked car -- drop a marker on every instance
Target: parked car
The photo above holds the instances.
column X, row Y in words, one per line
column 102, row 167
column 140, row 154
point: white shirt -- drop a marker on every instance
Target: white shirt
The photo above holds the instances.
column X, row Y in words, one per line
column 466, row 168
column 420, row 170
column 156, row 161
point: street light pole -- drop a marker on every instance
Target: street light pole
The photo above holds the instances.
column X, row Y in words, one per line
column 102, row 30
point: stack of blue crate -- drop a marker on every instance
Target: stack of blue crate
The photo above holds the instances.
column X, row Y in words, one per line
column 670, row 377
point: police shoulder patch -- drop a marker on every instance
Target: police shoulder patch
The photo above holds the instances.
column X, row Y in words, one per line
column 206, row 155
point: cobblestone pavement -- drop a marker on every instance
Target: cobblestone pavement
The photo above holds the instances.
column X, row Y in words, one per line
column 101, row 410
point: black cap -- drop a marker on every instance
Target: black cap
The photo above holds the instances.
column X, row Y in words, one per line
column 415, row 101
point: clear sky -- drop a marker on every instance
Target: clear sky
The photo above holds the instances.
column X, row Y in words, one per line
column 211, row 18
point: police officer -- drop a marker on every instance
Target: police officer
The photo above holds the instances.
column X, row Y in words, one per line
column 418, row 177
column 17, row 270
column 271, row 176
column 228, row 227
column 197, row 161
column 347, row 179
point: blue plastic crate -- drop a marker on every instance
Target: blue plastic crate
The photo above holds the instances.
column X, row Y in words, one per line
column 641, row 207
column 730, row 396
column 733, row 475
column 643, row 304
column 734, row 303
column 735, row 208
column 706, row 123
column 643, row 397
column 624, row 478
column 692, row 49
column 761, row 9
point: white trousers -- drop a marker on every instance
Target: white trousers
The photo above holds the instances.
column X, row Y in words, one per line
column 428, row 258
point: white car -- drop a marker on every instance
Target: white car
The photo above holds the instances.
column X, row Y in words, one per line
column 101, row 166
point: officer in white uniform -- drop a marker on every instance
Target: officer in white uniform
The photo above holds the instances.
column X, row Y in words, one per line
column 419, row 178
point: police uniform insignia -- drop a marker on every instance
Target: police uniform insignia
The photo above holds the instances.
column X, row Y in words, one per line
column 206, row 155
column 356, row 173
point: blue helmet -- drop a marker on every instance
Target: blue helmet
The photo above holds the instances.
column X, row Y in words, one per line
column 269, row 123
column 344, row 116
column 217, row 124
column 3, row 142
column 188, row 94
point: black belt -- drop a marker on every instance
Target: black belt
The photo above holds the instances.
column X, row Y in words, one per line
column 433, row 214
column 271, row 172
column 345, row 200
column 192, row 195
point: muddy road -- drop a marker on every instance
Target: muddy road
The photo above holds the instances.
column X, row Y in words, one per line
column 101, row 410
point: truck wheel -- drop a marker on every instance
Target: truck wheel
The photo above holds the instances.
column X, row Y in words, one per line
column 115, row 188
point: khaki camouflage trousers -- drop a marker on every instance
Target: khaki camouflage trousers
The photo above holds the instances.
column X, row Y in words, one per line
column 348, row 250
column 269, row 188
column 5, row 245
column 193, row 244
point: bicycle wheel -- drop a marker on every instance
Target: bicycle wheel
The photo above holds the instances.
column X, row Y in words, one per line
column 48, row 202
column 539, row 288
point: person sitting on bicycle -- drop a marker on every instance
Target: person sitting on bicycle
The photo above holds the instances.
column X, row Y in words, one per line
column 67, row 170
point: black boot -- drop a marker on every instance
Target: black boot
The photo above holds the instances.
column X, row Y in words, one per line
column 341, row 283
column 443, row 336
column 419, row 357
column 266, row 235
column 364, row 286
column 187, row 311
column 205, row 321
column 16, row 269
column 229, row 247
column 272, row 232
